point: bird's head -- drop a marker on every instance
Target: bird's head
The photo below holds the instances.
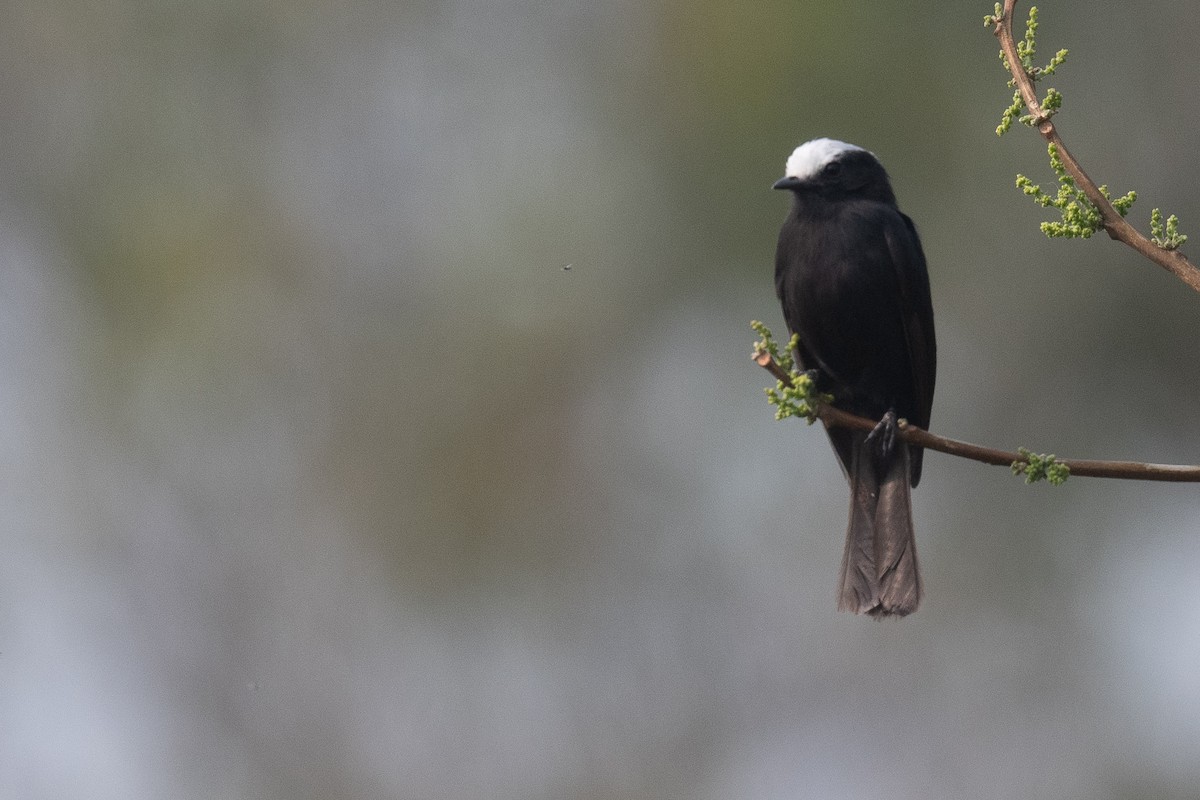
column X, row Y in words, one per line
column 833, row 170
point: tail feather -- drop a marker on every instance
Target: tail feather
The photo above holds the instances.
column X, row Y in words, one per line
column 879, row 567
column 895, row 540
column 859, row 586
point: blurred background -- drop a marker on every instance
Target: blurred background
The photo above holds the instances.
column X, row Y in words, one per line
column 323, row 476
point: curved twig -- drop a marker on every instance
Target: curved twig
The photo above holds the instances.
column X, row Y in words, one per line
column 1129, row 470
column 1115, row 225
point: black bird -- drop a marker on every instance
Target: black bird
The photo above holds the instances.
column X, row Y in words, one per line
column 851, row 277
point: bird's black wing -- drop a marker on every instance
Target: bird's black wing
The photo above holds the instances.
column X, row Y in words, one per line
column 913, row 281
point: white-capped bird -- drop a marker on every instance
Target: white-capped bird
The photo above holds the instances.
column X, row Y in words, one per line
column 851, row 277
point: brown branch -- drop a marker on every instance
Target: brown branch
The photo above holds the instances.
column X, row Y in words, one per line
column 1130, row 470
column 1115, row 225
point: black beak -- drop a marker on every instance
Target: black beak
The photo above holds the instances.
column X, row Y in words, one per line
column 787, row 183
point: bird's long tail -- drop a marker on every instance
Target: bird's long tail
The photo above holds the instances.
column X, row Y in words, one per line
column 879, row 567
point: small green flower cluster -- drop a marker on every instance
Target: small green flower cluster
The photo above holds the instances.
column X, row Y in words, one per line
column 1166, row 236
column 1026, row 50
column 800, row 397
column 1080, row 217
column 1037, row 467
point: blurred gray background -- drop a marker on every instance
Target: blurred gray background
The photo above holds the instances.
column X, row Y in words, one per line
column 322, row 478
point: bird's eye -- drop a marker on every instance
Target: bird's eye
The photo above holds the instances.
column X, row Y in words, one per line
column 832, row 169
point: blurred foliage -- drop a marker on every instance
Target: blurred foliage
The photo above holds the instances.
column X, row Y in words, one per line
column 326, row 480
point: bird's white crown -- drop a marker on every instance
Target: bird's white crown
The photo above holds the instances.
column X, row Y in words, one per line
column 808, row 159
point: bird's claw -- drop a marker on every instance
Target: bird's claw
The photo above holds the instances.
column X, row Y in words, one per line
column 883, row 436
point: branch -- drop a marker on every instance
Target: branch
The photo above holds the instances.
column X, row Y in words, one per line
column 1131, row 470
column 1114, row 224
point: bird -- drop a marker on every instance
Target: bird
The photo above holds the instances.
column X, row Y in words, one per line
column 852, row 281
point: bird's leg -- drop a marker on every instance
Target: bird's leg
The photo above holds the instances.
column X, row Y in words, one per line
column 883, row 436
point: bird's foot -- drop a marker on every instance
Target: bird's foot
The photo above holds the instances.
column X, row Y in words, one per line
column 882, row 437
